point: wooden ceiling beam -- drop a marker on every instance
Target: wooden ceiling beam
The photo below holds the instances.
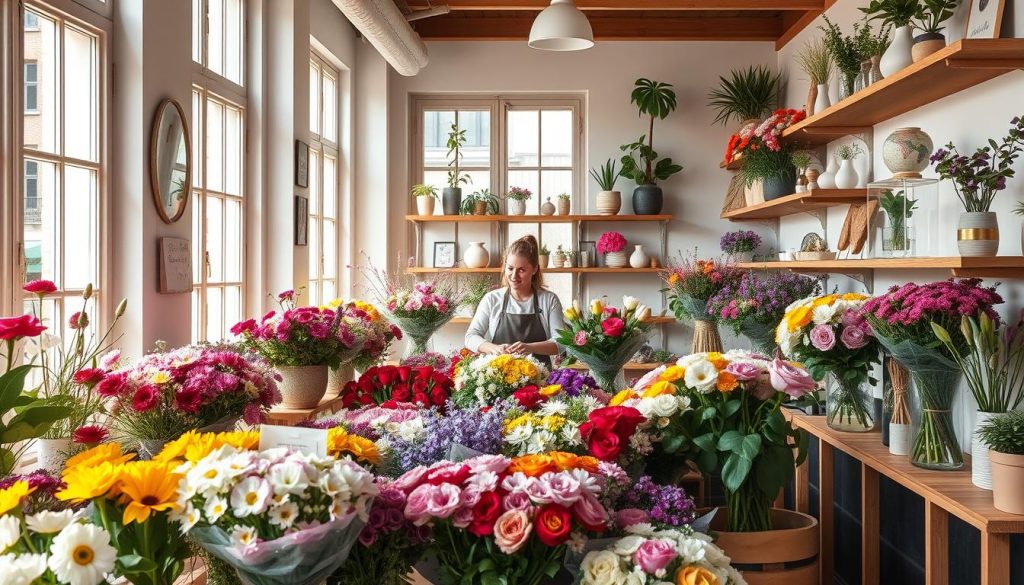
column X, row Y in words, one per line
column 681, row 5
column 794, row 23
column 740, row 28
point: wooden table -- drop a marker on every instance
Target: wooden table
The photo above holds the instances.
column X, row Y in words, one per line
column 945, row 493
column 291, row 416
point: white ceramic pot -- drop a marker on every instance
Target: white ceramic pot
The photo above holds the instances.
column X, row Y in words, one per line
column 1007, row 479
column 978, row 233
column 639, row 258
column 609, row 202
column 616, row 260
column 336, row 380
column 425, row 205
column 846, row 177
column 899, row 439
column 516, row 207
column 898, row 55
column 476, row 256
column 821, row 103
column 905, row 152
column 302, row 386
column 827, row 179
column 981, row 466
column 53, row 453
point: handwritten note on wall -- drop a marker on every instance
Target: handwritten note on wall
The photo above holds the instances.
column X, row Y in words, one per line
column 175, row 265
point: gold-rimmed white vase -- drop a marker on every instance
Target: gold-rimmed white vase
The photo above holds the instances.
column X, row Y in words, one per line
column 977, row 234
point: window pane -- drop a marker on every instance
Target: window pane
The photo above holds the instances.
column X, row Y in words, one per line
column 314, row 249
column 478, row 180
column 233, row 41
column 40, row 130
column 214, row 314
column 232, row 309
column 197, row 238
column 477, row 151
column 528, row 180
column 314, row 182
column 197, row 137
column 522, row 138
column 81, row 256
column 214, row 146
column 330, row 268
column 197, row 38
column 330, row 189
column 196, row 303
column 40, row 227
column 314, row 98
column 313, row 292
column 436, row 126
column 81, row 86
column 232, row 240
column 233, row 152
column 215, row 238
column 330, row 290
column 556, row 138
column 553, row 183
column 215, row 38
column 330, row 130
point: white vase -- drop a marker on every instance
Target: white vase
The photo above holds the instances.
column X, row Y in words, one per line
column 53, row 453
column 846, row 176
column 425, row 205
column 898, row 55
column 616, row 260
column 476, row 256
column 981, row 466
column 821, row 103
column 336, row 380
column 827, row 179
column 516, row 207
column 899, row 439
column 978, row 234
column 302, row 386
column 639, row 258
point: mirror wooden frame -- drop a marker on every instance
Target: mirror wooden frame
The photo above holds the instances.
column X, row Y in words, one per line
column 153, row 175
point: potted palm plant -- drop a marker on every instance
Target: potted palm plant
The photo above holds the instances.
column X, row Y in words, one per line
column 425, row 196
column 929, row 20
column 749, row 94
column 1004, row 435
column 451, row 201
column 608, row 199
column 653, row 99
column 481, row 202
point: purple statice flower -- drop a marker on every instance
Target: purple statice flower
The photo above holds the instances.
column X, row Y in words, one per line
column 739, row 241
column 474, row 428
column 666, row 506
column 760, row 299
column 573, row 382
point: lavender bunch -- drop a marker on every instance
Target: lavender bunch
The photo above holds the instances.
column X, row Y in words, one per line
column 739, row 241
column 469, row 427
column 760, row 299
column 665, row 506
column 573, row 382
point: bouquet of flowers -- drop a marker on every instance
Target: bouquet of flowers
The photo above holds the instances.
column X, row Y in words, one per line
column 829, row 335
column 509, row 519
column 135, row 503
column 604, row 338
column 476, row 429
column 553, row 426
column 480, row 380
column 902, row 320
column 379, row 384
column 278, row 516
column 739, row 241
column 762, row 135
column 49, row 546
column 376, row 332
column 302, row 336
column 163, row 395
column 438, row 361
column 655, row 395
column 691, row 283
column 734, row 428
column 648, row 556
column 755, row 304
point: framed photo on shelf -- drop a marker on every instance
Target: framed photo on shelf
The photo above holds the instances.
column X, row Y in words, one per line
column 301, row 164
column 984, row 19
column 587, row 253
column 444, row 254
column 301, row 221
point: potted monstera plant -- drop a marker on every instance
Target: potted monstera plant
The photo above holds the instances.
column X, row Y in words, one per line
column 653, row 99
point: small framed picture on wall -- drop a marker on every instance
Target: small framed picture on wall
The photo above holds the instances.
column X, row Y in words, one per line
column 588, row 253
column 444, row 254
column 984, row 19
column 301, row 164
column 301, row 220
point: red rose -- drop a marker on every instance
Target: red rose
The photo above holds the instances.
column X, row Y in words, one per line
column 366, row 400
column 621, row 420
column 401, row 394
column 421, row 398
column 40, row 287
column 385, row 376
column 419, row 386
column 145, row 398
column 349, row 394
column 18, row 327
column 424, row 373
column 605, row 445
column 403, row 373
column 89, row 376
column 89, row 435
column 485, row 514
column 438, row 395
column 448, row 474
column 553, row 525
column 613, row 326
column 389, row 404
column 528, row 397
column 188, row 399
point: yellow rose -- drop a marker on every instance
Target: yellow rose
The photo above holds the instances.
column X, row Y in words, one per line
column 799, row 317
column 621, row 397
column 658, row 388
column 855, row 297
column 550, row 390
column 570, row 314
column 694, row 575
column 529, row 370
column 672, row 373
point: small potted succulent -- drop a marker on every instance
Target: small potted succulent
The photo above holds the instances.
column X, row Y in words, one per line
column 481, row 202
column 563, row 203
column 517, row 197
column 929, row 20
column 611, row 245
column 543, row 256
column 1004, row 435
column 608, row 199
column 451, row 201
column 558, row 258
column 740, row 245
column 846, row 176
column 425, row 196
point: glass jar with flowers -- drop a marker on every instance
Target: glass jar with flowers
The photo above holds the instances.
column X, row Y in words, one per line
column 611, row 246
column 516, row 200
column 740, row 245
column 691, row 284
column 977, row 179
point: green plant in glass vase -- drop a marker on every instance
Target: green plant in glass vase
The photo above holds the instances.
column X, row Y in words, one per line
column 846, row 52
column 898, row 209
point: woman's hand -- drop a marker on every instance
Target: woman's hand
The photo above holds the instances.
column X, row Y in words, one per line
column 493, row 348
column 518, row 348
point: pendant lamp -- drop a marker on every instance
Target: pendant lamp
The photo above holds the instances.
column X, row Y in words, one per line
column 561, row 27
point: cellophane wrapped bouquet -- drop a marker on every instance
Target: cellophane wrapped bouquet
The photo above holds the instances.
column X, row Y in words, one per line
column 692, row 282
column 423, row 386
column 376, row 332
column 501, row 520
column 605, row 338
column 482, row 379
column 303, row 336
column 277, row 516
column 754, row 306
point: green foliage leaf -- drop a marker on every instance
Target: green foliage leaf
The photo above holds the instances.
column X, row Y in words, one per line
column 731, row 407
column 751, row 446
column 708, row 413
column 11, row 385
column 730, row 441
column 705, row 442
column 735, row 471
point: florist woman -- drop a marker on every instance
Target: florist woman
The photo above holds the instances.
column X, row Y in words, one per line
column 522, row 317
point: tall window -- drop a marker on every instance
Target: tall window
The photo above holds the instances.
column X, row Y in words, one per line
column 218, row 194
column 475, row 120
column 63, row 158
column 323, row 181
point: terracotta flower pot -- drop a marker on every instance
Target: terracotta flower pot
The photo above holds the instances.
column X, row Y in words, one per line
column 1007, row 482
column 926, row 44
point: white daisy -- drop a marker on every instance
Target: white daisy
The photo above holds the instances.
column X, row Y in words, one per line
column 701, row 376
column 10, row 531
column 250, row 497
column 21, row 569
column 189, row 517
column 551, row 407
column 47, row 522
column 244, row 536
column 520, row 434
column 81, row 554
column 284, row 515
column 288, row 477
column 215, row 508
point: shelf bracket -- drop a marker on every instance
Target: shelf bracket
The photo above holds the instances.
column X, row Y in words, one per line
column 822, row 216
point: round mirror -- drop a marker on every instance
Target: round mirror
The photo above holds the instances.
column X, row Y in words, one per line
column 170, row 161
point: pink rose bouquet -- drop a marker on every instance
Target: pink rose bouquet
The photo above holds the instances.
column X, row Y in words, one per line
column 829, row 335
column 605, row 337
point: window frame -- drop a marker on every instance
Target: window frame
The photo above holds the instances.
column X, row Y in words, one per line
column 219, row 83
column 322, row 148
column 34, row 83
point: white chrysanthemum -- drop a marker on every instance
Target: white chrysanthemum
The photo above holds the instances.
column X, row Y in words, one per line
column 823, row 314
column 21, row 569
column 189, row 517
column 81, row 554
column 552, row 407
column 284, row 515
column 541, row 441
column 571, row 435
column 701, row 376
column 250, row 497
column 10, row 531
column 288, row 477
column 244, row 536
column 209, row 476
column 47, row 522
column 520, row 434
column 215, row 508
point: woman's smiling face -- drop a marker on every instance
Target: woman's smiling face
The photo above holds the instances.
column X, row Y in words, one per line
column 519, row 272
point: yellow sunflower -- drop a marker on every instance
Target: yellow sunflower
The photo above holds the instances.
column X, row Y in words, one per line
column 148, row 487
column 11, row 497
column 85, row 483
column 104, row 452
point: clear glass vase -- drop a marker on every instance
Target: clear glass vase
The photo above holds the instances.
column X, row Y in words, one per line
column 846, row 81
column 934, row 443
column 849, row 405
column 897, row 240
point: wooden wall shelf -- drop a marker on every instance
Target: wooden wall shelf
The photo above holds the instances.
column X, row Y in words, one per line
column 957, row 67
column 496, row 270
column 994, row 267
column 534, row 218
column 796, row 203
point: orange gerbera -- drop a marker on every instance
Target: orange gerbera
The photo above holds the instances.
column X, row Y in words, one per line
column 726, row 382
column 85, row 483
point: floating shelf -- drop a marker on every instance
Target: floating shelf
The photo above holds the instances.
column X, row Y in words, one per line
column 496, row 270
column 957, row 67
column 994, row 267
column 534, row 218
column 796, row 203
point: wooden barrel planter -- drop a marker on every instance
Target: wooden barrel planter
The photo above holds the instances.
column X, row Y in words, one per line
column 788, row 554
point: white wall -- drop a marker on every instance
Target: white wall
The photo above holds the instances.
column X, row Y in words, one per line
column 605, row 76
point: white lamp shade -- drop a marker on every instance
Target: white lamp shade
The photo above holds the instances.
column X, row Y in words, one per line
column 561, row 27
